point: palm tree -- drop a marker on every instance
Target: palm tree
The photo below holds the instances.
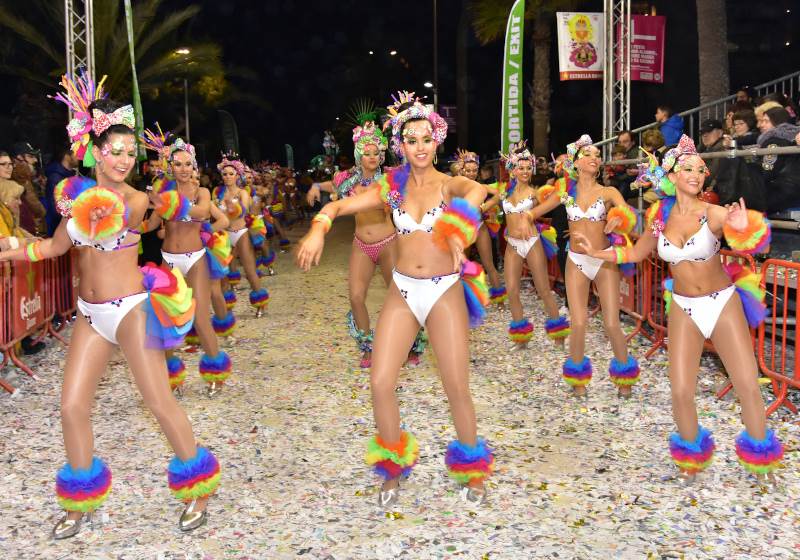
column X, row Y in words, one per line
column 489, row 22
column 712, row 50
column 38, row 52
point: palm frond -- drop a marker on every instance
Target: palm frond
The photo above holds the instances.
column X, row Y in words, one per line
column 30, row 34
column 164, row 30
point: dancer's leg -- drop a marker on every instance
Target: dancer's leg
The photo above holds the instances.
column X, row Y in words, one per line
column 512, row 272
column 484, row 244
column 217, row 299
column 198, row 280
column 684, row 351
column 244, row 250
column 607, row 281
column 537, row 264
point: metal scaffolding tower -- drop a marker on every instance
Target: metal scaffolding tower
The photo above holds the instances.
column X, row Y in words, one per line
column 79, row 33
column 617, row 71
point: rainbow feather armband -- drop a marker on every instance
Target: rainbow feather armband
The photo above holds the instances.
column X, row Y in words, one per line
column 692, row 456
column 215, row 368
column 169, row 307
column 176, row 370
column 393, row 460
column 759, row 456
column 69, row 189
column 173, row 206
column 259, row 298
column 196, row 478
column 498, row 295
column 224, row 326
column 545, row 192
column 520, row 331
column 751, row 294
column 467, row 463
column 83, row 489
column 557, row 328
column 626, row 217
column 624, row 373
column 461, row 219
column 755, row 238
column 85, row 206
column 577, row 374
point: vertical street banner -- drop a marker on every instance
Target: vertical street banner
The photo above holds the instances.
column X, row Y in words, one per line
column 647, row 48
column 511, row 120
column 581, row 45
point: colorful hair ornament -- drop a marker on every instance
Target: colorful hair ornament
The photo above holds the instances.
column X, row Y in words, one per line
column 176, row 370
column 83, row 489
column 759, row 456
column 476, row 292
column 672, row 158
column 624, row 374
column 463, row 157
column 573, row 153
column 215, row 368
column 754, row 238
column 122, row 116
column 392, row 460
column 692, row 456
column 365, row 135
column 557, row 328
column 577, row 374
column 400, row 113
column 751, row 294
column 179, row 145
column 224, row 326
column 195, row 478
column 517, row 153
column 169, row 307
column 67, row 190
column 461, row 219
column 231, row 159
column 156, row 141
column 99, row 198
column 469, row 463
column 520, row 332
column 78, row 94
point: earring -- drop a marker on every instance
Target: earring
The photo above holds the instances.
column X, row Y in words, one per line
column 435, row 159
column 597, row 175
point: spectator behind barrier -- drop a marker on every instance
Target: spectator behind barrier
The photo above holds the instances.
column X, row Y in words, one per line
column 781, row 173
column 10, row 200
column 730, row 178
column 62, row 167
column 744, row 95
column 671, row 126
column 744, row 128
column 32, row 212
column 733, row 109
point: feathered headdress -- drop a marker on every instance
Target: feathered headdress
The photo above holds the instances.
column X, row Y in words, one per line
column 463, row 157
column 231, row 159
column 400, row 116
column 365, row 135
column 156, row 141
column 573, row 150
column 516, row 153
column 179, row 145
column 78, row 94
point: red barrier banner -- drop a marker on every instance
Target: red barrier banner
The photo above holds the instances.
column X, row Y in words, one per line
column 28, row 289
column 627, row 293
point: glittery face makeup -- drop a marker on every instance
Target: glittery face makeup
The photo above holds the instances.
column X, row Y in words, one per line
column 182, row 166
column 418, row 127
column 118, row 156
column 419, row 146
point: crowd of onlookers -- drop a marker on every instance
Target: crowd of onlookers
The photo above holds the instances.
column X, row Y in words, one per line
column 768, row 183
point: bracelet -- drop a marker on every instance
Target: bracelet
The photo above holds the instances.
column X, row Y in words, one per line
column 13, row 243
column 622, row 254
column 33, row 253
column 325, row 220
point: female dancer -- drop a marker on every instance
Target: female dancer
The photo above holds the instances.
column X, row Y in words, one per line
column 374, row 240
column 522, row 234
column 710, row 301
column 577, row 191
column 468, row 164
column 184, row 207
column 119, row 304
column 235, row 202
column 436, row 218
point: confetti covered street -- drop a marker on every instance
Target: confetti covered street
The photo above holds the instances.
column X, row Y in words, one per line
column 574, row 479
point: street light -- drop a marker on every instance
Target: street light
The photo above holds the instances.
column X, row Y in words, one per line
column 428, row 85
column 371, row 52
column 184, row 51
column 392, row 53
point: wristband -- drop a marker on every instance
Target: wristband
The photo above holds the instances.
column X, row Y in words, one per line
column 33, row 253
column 325, row 220
column 622, row 254
column 13, row 243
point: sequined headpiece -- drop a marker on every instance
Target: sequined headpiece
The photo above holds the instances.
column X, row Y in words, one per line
column 399, row 117
column 673, row 157
column 231, row 159
column 573, row 152
column 463, row 157
column 103, row 121
column 365, row 135
column 516, row 153
column 179, row 145
column 156, row 141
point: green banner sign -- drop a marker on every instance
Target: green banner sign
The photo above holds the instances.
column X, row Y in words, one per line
column 511, row 124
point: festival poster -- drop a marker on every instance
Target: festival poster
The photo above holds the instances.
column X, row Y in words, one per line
column 647, row 48
column 581, row 46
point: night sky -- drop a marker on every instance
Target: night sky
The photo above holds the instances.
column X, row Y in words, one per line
column 310, row 60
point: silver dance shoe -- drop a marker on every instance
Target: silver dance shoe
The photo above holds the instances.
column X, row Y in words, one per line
column 388, row 498
column 473, row 496
column 213, row 388
column 191, row 519
column 66, row 528
column 259, row 312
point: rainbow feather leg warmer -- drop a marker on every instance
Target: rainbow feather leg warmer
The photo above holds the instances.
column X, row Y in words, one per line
column 393, row 460
column 461, row 219
column 466, row 463
column 692, row 456
column 577, row 374
column 270, row 258
column 234, row 277
column 177, row 371
column 520, row 331
column 215, row 368
column 759, row 456
column 191, row 337
column 755, row 238
column 169, row 307
column 557, row 328
column 196, row 478
column 261, row 268
column 230, row 298
column 259, row 298
column 283, row 242
column 751, row 294
column 224, row 326
column 498, row 296
column 624, row 373
column 83, row 489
